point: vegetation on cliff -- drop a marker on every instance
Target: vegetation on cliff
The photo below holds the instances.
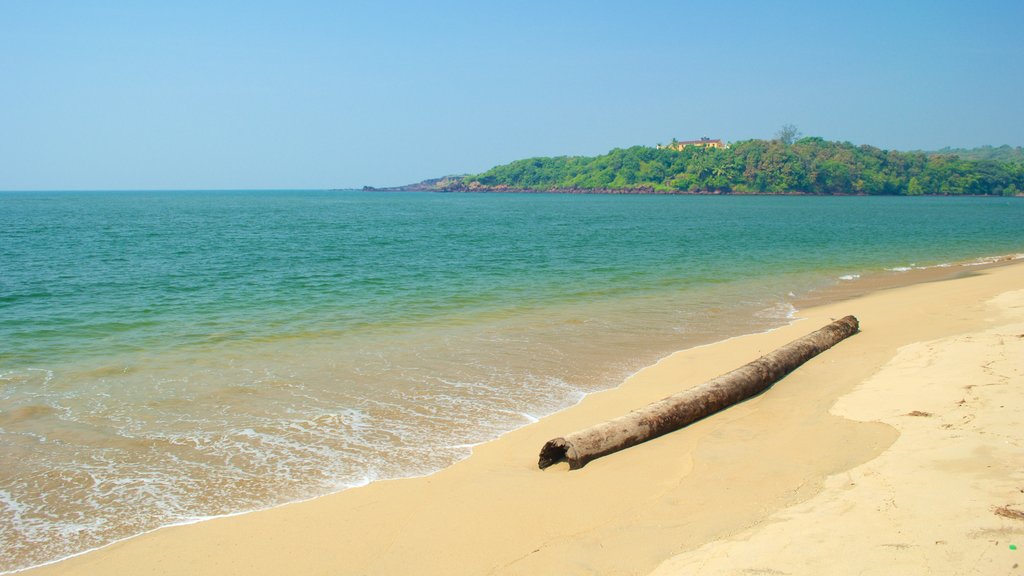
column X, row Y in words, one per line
column 808, row 165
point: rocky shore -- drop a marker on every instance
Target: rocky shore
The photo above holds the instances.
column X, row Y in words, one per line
column 456, row 184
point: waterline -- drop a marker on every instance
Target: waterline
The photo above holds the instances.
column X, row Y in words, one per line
column 169, row 357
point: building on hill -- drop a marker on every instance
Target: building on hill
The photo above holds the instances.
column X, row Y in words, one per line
column 704, row 142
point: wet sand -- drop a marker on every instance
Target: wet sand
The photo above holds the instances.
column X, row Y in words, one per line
column 824, row 473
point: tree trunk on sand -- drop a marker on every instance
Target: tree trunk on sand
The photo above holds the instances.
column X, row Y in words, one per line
column 684, row 408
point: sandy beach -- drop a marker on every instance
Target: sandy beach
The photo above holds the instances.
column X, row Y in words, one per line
column 898, row 451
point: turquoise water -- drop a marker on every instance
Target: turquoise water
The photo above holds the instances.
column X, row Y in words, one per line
column 168, row 356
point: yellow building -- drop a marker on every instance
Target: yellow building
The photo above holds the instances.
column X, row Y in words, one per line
column 704, row 142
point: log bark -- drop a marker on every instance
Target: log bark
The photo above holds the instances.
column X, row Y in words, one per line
column 684, row 408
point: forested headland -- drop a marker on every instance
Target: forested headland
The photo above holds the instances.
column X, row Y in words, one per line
column 805, row 166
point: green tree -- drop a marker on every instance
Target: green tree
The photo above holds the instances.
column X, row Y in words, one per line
column 788, row 134
column 914, row 187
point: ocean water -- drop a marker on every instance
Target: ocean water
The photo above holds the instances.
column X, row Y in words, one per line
column 171, row 356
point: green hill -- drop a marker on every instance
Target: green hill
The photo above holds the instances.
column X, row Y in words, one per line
column 808, row 166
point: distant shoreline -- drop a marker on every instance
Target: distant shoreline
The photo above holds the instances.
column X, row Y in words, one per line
column 419, row 187
column 809, row 166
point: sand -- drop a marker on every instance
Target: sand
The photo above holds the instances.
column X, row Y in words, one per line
column 946, row 498
column 898, row 451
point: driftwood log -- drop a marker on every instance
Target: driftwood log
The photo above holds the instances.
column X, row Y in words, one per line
column 674, row 412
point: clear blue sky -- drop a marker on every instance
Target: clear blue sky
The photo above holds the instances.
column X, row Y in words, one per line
column 295, row 94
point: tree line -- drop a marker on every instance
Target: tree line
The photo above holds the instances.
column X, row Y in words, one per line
column 809, row 165
column 1002, row 153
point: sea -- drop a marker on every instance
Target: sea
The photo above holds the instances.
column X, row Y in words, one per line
column 168, row 357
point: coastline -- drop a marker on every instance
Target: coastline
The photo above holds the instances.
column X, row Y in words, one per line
column 496, row 513
column 643, row 191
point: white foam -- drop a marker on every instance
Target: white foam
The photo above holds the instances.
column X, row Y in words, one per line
column 780, row 310
column 849, row 277
column 530, row 417
column 993, row 259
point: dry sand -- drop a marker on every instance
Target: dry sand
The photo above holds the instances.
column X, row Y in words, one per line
column 824, row 474
column 946, row 498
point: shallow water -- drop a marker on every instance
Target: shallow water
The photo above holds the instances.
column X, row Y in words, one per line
column 175, row 355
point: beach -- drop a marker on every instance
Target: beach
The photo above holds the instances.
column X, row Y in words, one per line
column 898, row 447
column 315, row 289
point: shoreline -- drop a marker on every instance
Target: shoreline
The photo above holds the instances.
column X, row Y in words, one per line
column 866, row 283
column 605, row 402
column 427, row 186
column 532, row 419
column 530, row 416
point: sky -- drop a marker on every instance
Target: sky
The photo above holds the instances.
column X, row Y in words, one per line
column 314, row 94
